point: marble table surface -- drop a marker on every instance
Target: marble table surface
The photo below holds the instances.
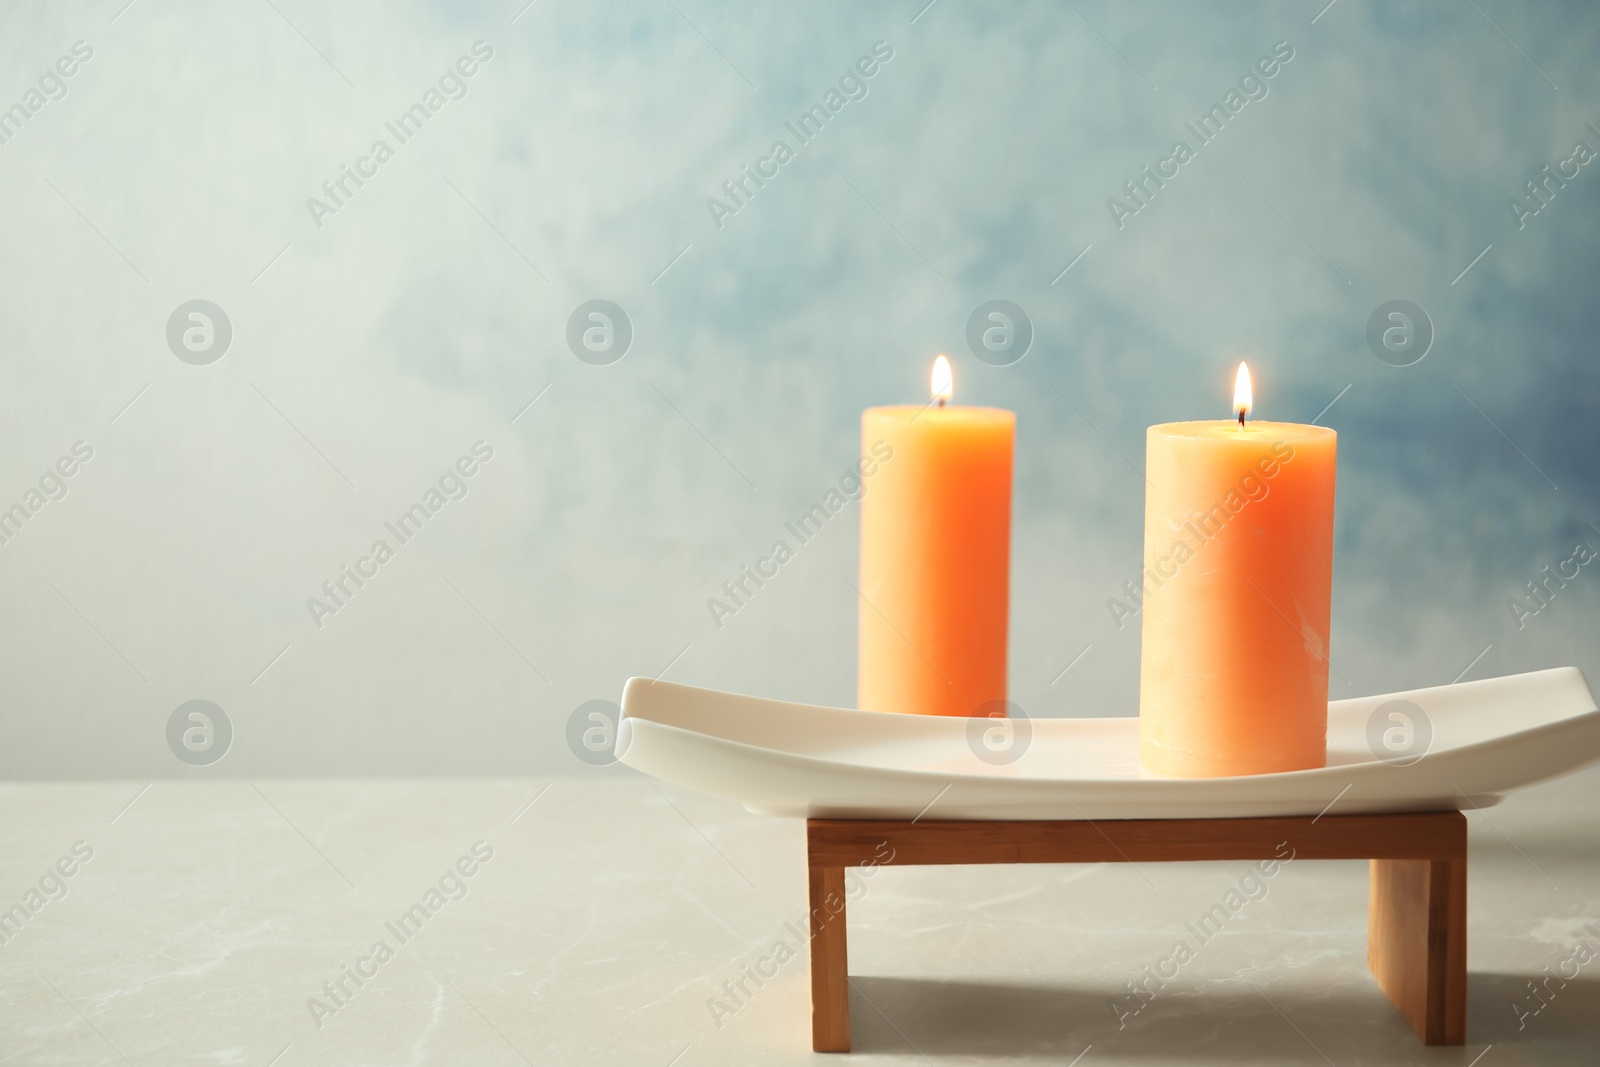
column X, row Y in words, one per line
column 606, row 920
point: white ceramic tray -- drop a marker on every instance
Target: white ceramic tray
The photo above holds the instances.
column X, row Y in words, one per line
column 1487, row 738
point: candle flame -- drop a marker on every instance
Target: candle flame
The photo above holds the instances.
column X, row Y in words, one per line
column 1241, row 393
column 943, row 383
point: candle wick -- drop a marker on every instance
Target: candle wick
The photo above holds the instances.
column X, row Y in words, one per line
column 1241, row 418
column 941, row 401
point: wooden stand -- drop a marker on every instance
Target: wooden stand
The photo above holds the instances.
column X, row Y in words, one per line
column 1416, row 911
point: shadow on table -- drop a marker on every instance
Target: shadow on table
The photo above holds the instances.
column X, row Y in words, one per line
column 1221, row 1022
column 1506, row 1009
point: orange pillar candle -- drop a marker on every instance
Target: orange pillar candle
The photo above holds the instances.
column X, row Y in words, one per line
column 1238, row 556
column 935, row 556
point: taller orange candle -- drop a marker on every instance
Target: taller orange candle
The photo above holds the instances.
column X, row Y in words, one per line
column 1238, row 555
column 935, row 556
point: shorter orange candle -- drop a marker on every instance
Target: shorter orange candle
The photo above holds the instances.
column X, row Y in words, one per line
column 1238, row 555
column 935, row 556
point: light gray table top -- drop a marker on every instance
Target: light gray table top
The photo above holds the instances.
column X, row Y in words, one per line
column 611, row 922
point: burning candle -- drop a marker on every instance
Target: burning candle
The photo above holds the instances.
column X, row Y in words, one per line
column 935, row 556
column 1238, row 556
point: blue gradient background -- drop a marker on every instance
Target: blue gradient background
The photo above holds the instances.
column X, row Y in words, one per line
column 416, row 321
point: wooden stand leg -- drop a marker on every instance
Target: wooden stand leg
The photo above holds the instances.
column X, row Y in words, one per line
column 830, row 987
column 1417, row 910
column 1417, row 943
